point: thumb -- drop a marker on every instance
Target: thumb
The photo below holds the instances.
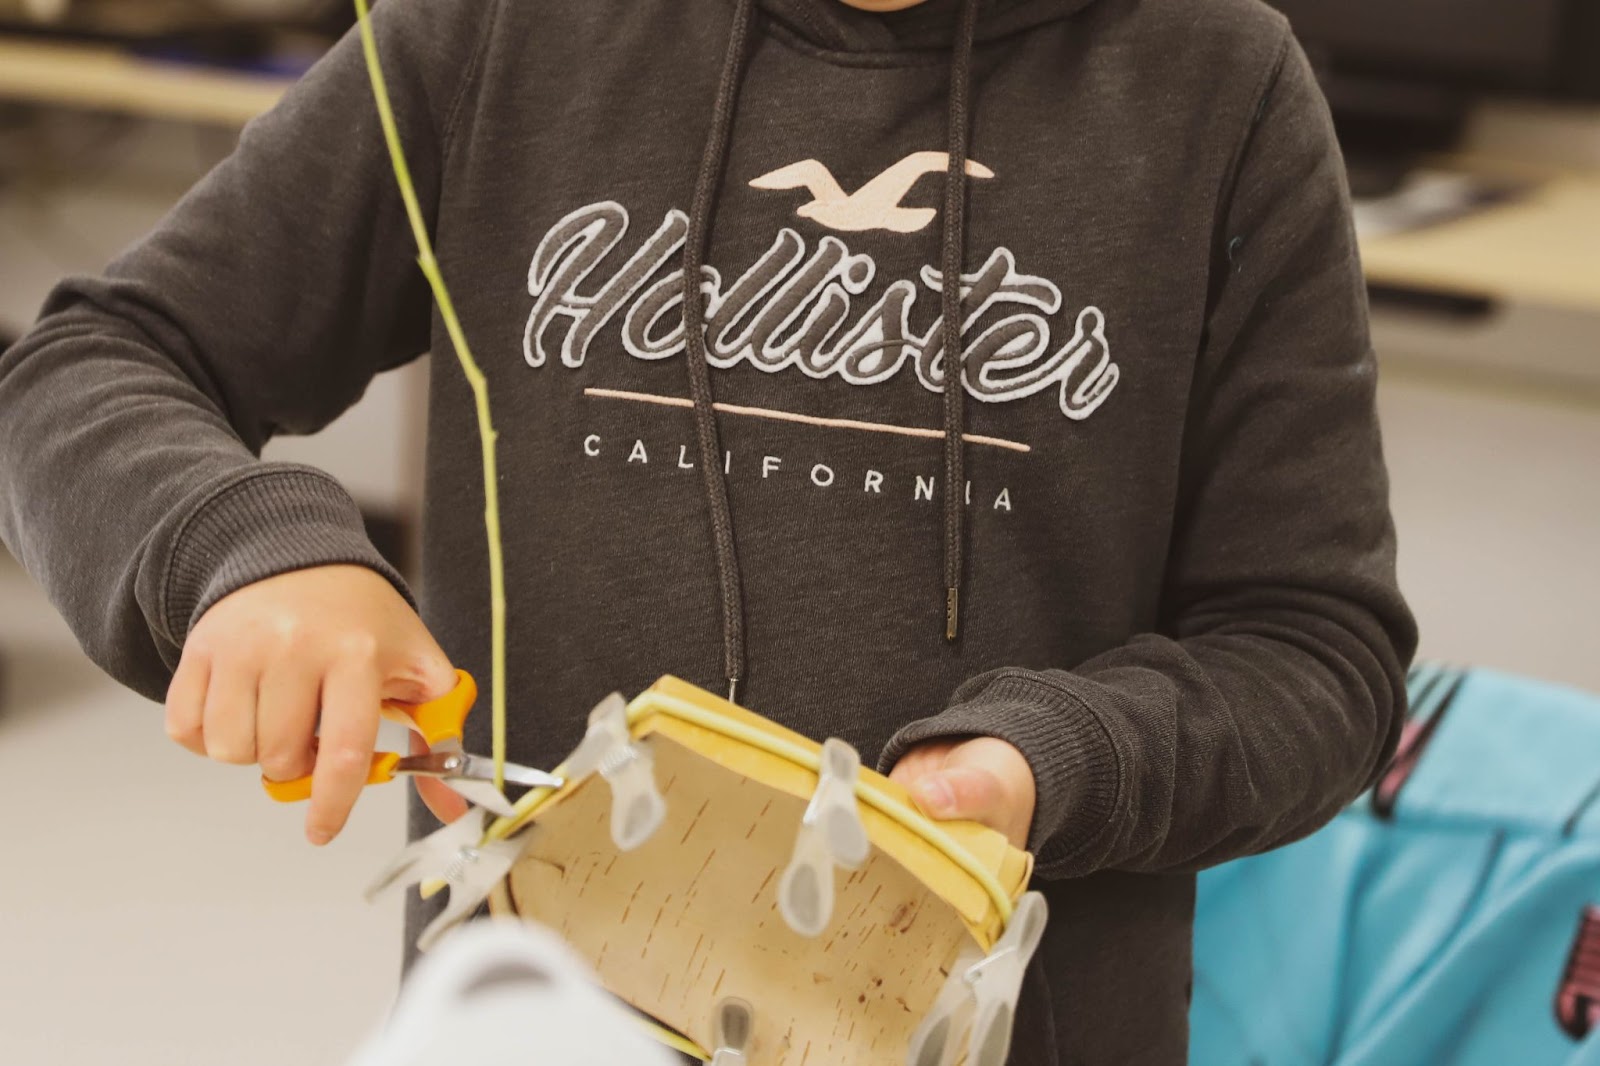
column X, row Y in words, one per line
column 968, row 792
column 421, row 672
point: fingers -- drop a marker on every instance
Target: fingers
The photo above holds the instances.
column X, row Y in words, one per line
column 980, row 779
column 350, row 698
column 960, row 792
column 286, row 721
column 186, row 701
column 268, row 660
column 230, row 712
column 415, row 668
column 920, row 760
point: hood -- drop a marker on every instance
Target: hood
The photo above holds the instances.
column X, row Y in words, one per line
column 927, row 26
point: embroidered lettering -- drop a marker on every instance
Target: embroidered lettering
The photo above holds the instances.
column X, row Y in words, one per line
column 793, row 309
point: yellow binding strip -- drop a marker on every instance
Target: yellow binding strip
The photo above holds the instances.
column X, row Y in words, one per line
column 912, row 820
column 675, row 1040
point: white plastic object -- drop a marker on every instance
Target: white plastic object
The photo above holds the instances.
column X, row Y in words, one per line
column 511, row 993
column 736, row 1023
column 831, row 834
column 985, row 993
column 942, row 1036
column 456, row 855
column 996, row 981
column 637, row 806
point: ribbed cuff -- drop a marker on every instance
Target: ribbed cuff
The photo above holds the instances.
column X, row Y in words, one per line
column 270, row 521
column 1075, row 763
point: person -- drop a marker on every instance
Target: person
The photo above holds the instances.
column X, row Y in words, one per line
column 1118, row 580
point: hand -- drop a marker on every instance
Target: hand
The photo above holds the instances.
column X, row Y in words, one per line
column 266, row 664
column 978, row 778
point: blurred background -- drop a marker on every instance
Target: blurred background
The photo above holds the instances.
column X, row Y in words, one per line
column 169, row 916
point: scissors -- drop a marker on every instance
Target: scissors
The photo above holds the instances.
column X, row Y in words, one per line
column 439, row 722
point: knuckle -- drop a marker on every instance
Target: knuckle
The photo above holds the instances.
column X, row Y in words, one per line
column 183, row 732
column 422, row 673
column 283, row 632
column 417, row 665
column 973, row 791
column 232, row 753
column 236, row 660
column 360, row 646
column 285, row 762
column 200, row 643
column 346, row 758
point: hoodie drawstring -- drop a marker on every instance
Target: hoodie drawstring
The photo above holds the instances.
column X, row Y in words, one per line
column 958, row 133
column 702, row 211
column 712, row 163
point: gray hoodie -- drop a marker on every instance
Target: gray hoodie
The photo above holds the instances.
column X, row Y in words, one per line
column 1146, row 540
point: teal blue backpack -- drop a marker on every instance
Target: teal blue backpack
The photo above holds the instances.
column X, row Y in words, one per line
column 1447, row 918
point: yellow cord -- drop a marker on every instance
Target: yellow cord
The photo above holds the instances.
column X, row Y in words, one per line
column 475, row 378
column 674, row 1039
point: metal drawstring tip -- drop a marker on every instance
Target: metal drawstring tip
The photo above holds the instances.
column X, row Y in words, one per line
column 952, row 613
column 733, row 690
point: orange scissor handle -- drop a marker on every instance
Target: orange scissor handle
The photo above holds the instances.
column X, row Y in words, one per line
column 436, row 721
column 441, row 719
column 381, row 770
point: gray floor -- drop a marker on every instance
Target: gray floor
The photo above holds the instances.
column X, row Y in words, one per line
column 158, row 911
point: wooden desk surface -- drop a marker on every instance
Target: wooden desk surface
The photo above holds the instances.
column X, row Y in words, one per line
column 102, row 78
column 1543, row 248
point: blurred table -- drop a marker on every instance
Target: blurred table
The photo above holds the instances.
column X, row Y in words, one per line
column 108, row 79
column 1543, row 248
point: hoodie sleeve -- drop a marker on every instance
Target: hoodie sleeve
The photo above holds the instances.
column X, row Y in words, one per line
column 132, row 415
column 1274, row 688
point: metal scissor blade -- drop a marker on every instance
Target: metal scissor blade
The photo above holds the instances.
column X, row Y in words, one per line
column 482, row 793
column 531, row 778
column 452, row 762
column 481, row 769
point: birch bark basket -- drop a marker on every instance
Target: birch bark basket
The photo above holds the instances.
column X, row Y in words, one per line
column 691, row 917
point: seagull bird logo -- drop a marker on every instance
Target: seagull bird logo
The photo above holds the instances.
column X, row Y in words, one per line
column 876, row 205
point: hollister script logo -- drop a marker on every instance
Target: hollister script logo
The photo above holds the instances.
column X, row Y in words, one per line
column 876, row 205
column 797, row 307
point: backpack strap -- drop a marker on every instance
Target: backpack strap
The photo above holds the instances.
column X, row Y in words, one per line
column 1491, row 748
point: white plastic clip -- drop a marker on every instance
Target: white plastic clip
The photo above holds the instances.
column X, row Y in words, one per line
column 457, row 856
column 996, row 981
column 986, row 993
column 942, row 1036
column 637, row 806
column 831, row 834
column 736, row 1023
